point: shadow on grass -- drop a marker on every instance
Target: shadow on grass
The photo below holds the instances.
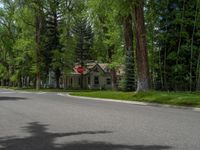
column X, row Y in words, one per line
column 8, row 98
column 40, row 139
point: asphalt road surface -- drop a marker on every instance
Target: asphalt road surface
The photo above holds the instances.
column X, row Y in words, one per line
column 51, row 121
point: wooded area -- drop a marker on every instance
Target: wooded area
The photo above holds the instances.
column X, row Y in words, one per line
column 157, row 42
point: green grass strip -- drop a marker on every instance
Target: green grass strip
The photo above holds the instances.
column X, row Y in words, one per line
column 172, row 98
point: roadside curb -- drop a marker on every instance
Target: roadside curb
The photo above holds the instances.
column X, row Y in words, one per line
column 117, row 101
column 134, row 102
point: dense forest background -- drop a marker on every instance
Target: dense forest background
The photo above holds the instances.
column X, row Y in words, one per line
column 157, row 41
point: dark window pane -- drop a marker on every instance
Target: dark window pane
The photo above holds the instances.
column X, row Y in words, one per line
column 108, row 81
column 96, row 80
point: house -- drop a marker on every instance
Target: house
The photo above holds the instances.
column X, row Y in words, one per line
column 94, row 76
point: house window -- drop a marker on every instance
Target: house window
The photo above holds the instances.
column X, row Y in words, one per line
column 71, row 81
column 96, row 80
column 79, row 81
column 96, row 70
column 108, row 81
column 88, row 80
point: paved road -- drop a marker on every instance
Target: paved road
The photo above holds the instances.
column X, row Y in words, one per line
column 49, row 121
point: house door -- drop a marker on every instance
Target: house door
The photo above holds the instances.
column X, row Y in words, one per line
column 96, row 81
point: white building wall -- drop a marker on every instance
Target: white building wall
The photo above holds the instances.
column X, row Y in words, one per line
column 99, row 73
column 102, row 80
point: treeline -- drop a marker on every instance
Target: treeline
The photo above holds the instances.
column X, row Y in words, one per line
column 157, row 42
column 174, row 44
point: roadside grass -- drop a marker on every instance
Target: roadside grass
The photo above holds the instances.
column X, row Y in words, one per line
column 45, row 89
column 171, row 98
column 33, row 89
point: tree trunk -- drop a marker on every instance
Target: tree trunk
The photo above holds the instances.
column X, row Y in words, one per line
column 198, row 74
column 38, row 81
column 57, row 74
column 128, row 33
column 180, row 41
column 19, row 82
column 129, row 79
column 143, row 83
column 65, row 81
column 191, row 48
column 38, row 37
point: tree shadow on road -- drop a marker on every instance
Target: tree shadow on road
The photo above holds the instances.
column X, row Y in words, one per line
column 9, row 98
column 40, row 139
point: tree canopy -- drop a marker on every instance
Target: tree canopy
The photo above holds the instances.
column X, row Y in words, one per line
column 156, row 42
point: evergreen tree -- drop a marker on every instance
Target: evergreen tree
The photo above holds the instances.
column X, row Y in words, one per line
column 129, row 76
column 52, row 45
column 84, row 38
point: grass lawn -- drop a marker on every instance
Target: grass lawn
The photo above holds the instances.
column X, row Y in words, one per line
column 34, row 90
column 44, row 89
column 172, row 98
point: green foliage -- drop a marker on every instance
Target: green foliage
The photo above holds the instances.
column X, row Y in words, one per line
column 81, row 30
column 84, row 38
column 129, row 76
column 107, row 29
column 172, row 28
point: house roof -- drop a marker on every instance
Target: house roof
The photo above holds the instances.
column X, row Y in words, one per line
column 90, row 66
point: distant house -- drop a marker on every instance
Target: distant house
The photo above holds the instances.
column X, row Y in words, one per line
column 95, row 76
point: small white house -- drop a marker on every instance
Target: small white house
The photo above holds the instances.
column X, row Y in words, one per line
column 95, row 76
